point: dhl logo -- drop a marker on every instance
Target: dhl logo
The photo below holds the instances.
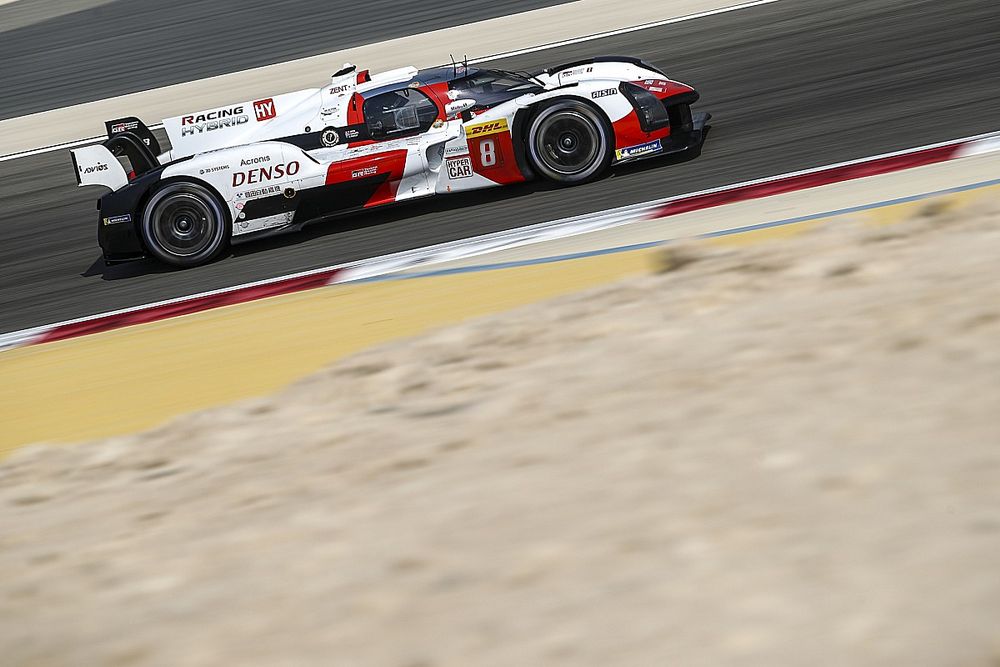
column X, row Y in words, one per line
column 486, row 129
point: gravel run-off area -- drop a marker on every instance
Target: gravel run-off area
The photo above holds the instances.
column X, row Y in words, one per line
column 785, row 453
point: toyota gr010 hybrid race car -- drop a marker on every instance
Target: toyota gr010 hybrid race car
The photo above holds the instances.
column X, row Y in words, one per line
column 271, row 165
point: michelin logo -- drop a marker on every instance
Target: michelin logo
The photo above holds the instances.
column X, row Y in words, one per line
column 117, row 220
column 639, row 151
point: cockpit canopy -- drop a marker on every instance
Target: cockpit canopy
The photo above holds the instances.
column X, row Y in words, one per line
column 492, row 87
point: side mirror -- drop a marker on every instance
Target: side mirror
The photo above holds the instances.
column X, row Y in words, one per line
column 458, row 107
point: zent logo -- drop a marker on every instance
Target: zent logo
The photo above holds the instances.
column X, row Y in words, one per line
column 265, row 109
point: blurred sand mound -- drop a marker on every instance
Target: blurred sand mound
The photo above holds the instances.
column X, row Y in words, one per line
column 781, row 454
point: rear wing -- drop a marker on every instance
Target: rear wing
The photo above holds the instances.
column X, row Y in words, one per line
column 136, row 127
column 96, row 165
column 102, row 164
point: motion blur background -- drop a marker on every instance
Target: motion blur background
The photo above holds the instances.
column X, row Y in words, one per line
column 767, row 450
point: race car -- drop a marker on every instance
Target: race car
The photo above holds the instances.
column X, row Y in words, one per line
column 266, row 166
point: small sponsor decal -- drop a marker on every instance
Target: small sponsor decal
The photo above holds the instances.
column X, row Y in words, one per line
column 597, row 94
column 124, row 127
column 486, row 129
column 259, row 224
column 352, row 134
column 117, row 220
column 212, row 170
column 248, row 161
column 265, row 109
column 457, row 150
column 576, row 72
column 639, row 151
column 94, row 169
column 329, row 137
column 257, row 193
column 655, row 85
column 336, row 90
column 460, row 168
column 362, row 173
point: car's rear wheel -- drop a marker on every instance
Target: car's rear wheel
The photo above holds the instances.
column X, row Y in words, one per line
column 184, row 224
column 569, row 142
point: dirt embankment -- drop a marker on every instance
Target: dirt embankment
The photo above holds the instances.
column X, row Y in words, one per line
column 786, row 454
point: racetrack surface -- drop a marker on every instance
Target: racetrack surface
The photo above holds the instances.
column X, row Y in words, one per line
column 130, row 45
column 791, row 85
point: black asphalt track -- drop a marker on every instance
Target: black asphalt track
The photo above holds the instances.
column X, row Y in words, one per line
column 130, row 45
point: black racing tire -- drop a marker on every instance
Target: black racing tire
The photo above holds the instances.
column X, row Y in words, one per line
column 569, row 142
column 185, row 224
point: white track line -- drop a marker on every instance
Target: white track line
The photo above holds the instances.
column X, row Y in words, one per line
column 498, row 56
column 624, row 31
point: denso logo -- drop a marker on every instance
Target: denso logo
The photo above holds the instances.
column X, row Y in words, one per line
column 264, row 174
column 265, row 109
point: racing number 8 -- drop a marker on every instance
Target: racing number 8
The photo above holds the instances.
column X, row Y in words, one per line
column 488, row 152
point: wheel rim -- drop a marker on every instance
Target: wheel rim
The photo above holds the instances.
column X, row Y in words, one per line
column 568, row 142
column 183, row 224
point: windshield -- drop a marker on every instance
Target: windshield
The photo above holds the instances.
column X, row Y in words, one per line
column 491, row 87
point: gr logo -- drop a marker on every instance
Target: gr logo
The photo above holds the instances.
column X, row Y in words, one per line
column 265, row 109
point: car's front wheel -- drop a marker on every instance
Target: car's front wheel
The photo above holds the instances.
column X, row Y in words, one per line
column 184, row 224
column 569, row 142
